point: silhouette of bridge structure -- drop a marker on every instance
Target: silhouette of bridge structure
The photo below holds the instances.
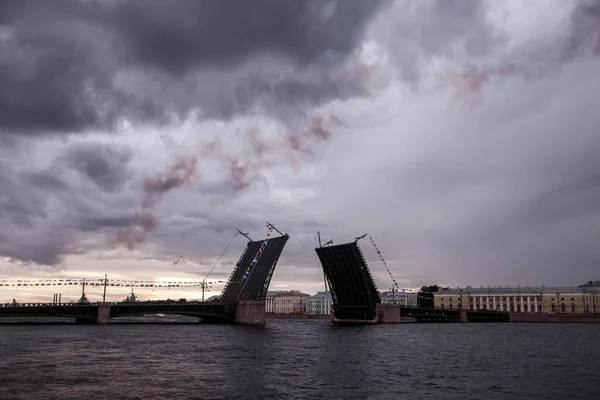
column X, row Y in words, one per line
column 241, row 301
column 353, row 290
column 356, row 299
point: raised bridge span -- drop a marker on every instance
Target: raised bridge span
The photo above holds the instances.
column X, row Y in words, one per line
column 356, row 299
column 242, row 299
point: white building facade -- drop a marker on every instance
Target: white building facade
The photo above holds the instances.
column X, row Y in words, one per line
column 270, row 301
column 319, row 304
column 290, row 302
column 405, row 299
column 528, row 299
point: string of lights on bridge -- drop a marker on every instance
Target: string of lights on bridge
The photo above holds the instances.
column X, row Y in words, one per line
column 28, row 283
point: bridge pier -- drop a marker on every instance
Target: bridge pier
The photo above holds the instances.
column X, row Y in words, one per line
column 463, row 315
column 250, row 312
column 388, row 313
column 103, row 316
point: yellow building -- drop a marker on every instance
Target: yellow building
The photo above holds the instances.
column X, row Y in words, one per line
column 290, row 302
column 579, row 300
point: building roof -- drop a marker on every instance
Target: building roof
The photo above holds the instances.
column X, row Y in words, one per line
column 511, row 289
column 321, row 295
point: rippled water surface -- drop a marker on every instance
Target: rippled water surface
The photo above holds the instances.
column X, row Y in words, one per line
column 300, row 359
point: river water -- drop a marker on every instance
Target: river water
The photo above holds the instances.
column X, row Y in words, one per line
column 300, row 359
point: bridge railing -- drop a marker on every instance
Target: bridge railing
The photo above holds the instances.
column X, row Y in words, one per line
column 114, row 303
column 6, row 305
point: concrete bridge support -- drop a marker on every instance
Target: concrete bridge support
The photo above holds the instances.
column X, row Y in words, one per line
column 463, row 316
column 103, row 313
column 250, row 312
column 388, row 313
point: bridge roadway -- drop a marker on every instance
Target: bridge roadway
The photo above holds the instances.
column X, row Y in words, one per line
column 208, row 312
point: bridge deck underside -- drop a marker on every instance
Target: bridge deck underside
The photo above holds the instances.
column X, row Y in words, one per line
column 55, row 311
column 252, row 274
column 206, row 311
column 353, row 290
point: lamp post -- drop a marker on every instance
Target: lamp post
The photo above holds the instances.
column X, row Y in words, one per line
column 104, row 293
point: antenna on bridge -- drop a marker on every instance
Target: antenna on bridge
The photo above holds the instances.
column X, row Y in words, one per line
column 273, row 227
column 323, row 245
column 244, row 234
column 204, row 286
column 356, row 239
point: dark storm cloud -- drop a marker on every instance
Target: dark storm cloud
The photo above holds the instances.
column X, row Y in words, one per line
column 71, row 65
column 105, row 166
column 43, row 212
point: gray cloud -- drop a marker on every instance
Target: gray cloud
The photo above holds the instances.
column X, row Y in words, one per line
column 72, row 65
column 105, row 166
column 44, row 211
column 419, row 32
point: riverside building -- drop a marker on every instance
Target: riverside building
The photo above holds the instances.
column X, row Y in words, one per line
column 319, row 304
column 290, row 302
column 405, row 299
column 584, row 299
column 270, row 301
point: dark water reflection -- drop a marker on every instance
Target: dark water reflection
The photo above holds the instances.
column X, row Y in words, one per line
column 300, row 359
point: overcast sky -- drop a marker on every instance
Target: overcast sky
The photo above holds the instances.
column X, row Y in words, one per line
column 463, row 135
